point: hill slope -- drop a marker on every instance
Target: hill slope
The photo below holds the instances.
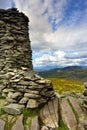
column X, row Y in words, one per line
column 72, row 73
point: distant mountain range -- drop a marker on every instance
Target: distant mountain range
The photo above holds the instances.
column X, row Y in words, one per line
column 69, row 72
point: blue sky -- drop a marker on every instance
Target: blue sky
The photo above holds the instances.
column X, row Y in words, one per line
column 58, row 30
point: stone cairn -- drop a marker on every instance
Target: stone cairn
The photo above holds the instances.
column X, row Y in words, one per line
column 85, row 95
column 18, row 81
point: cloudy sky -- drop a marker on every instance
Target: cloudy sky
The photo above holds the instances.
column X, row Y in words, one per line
column 58, row 30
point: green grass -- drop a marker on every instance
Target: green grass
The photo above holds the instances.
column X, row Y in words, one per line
column 1, row 112
column 31, row 113
column 2, row 103
column 1, row 97
column 63, row 85
column 10, row 123
column 62, row 125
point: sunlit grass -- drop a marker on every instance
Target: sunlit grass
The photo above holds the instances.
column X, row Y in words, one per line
column 63, row 85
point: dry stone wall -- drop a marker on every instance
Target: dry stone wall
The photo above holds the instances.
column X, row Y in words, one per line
column 15, row 50
column 85, row 96
column 19, row 84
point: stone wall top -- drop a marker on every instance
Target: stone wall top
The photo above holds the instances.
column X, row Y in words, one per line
column 6, row 15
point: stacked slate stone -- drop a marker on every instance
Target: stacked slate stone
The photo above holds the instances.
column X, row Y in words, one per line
column 28, row 89
column 18, row 82
column 15, row 50
column 85, row 96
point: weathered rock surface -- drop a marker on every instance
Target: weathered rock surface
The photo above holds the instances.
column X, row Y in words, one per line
column 2, row 124
column 18, row 125
column 67, row 115
column 49, row 114
column 14, row 108
column 35, row 124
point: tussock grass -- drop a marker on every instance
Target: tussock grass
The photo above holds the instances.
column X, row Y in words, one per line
column 62, row 125
column 1, row 112
column 1, row 97
column 31, row 113
column 63, row 85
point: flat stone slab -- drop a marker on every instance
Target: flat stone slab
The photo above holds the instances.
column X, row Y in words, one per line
column 53, row 109
column 13, row 108
column 35, row 123
column 49, row 114
column 75, row 104
column 18, row 125
column 67, row 114
column 2, row 124
column 77, row 108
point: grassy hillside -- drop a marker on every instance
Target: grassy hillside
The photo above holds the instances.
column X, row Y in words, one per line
column 71, row 75
column 70, row 78
column 62, row 85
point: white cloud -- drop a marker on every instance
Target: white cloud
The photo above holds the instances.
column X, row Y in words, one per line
column 39, row 25
column 67, row 38
column 59, row 59
column 41, row 34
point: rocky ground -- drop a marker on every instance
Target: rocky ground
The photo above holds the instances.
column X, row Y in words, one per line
column 62, row 113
